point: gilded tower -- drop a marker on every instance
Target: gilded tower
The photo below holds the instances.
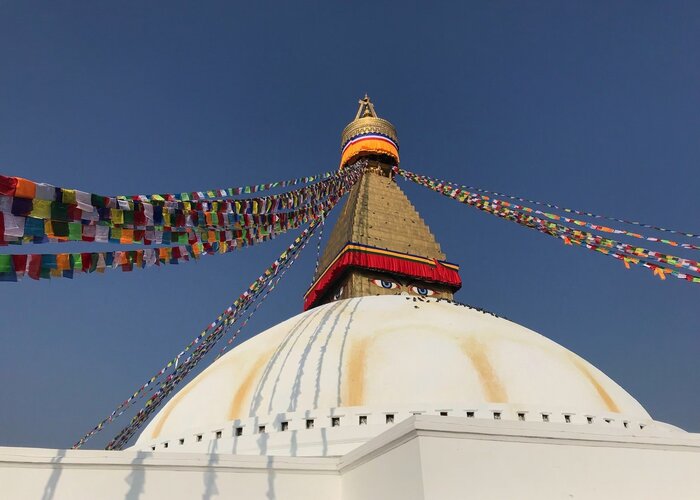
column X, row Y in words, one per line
column 380, row 244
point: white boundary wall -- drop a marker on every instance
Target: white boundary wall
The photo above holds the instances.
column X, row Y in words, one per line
column 425, row 457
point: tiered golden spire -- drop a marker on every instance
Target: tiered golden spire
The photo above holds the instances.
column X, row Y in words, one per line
column 379, row 245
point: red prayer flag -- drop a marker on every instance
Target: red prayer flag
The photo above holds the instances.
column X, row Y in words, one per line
column 74, row 213
column 34, row 267
column 139, row 218
column 20, row 263
column 8, row 185
column 86, row 259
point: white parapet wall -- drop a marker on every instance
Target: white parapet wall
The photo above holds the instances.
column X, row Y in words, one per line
column 424, row 457
column 456, row 458
column 28, row 473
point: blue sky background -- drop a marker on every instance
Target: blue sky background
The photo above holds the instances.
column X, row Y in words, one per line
column 592, row 105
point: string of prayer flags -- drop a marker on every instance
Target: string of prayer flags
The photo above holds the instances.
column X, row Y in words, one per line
column 211, row 335
column 233, row 191
column 14, row 267
column 269, row 289
column 205, row 347
column 218, row 227
column 65, row 265
column 582, row 213
column 184, row 362
column 25, row 188
column 569, row 235
column 68, row 215
column 194, row 350
column 627, row 254
column 209, row 242
column 578, row 212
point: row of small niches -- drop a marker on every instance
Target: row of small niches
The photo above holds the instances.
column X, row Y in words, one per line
column 389, row 418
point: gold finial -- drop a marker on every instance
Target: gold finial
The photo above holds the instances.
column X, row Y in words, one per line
column 367, row 123
column 366, row 108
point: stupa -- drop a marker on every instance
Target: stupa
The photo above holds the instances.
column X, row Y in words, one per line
column 380, row 341
column 385, row 387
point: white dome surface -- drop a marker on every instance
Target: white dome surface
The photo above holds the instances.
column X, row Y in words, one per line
column 391, row 353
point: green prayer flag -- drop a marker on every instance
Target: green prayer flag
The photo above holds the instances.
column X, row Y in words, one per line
column 128, row 217
column 60, row 229
column 75, row 231
column 5, row 263
column 59, row 211
column 76, row 261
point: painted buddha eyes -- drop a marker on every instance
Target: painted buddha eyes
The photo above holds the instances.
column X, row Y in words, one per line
column 414, row 289
column 385, row 283
column 426, row 292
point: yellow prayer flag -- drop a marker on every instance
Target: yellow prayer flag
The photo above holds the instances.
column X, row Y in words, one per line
column 41, row 209
column 69, row 196
column 116, row 215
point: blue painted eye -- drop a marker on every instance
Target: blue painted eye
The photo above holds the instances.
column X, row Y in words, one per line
column 385, row 284
column 426, row 292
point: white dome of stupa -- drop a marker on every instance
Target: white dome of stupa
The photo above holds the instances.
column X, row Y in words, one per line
column 330, row 378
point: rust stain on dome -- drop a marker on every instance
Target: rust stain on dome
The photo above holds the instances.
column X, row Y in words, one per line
column 243, row 392
column 490, row 382
column 607, row 399
column 355, row 370
column 172, row 405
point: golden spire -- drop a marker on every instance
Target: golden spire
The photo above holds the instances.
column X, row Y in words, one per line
column 380, row 227
column 380, row 245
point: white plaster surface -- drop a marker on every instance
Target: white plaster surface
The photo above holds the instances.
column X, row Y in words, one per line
column 384, row 354
column 424, row 457
column 454, row 458
column 523, row 418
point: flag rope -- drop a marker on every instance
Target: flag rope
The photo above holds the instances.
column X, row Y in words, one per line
column 36, row 221
column 628, row 254
column 579, row 212
column 211, row 334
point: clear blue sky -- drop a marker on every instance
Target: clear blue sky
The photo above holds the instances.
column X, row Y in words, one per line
column 593, row 105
